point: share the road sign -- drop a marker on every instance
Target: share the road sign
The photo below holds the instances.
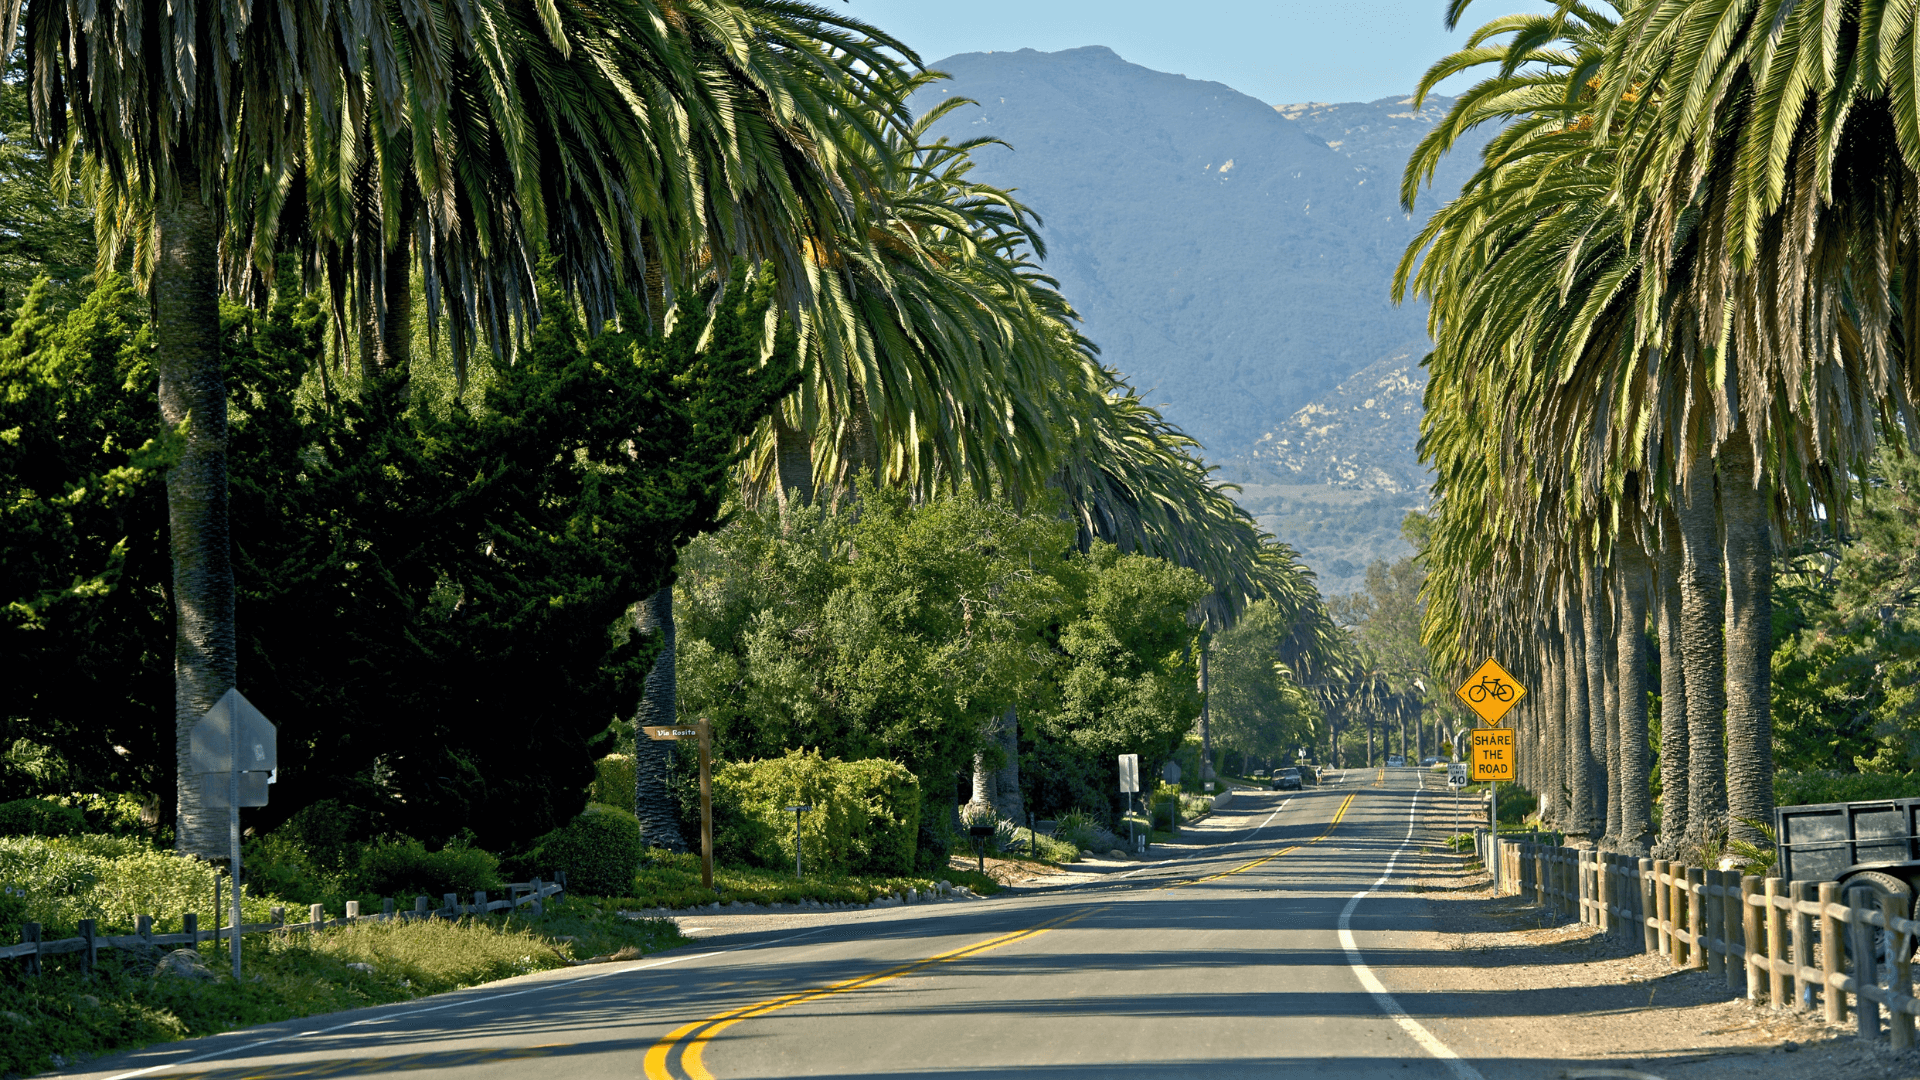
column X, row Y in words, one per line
column 1490, row 691
column 1490, row 754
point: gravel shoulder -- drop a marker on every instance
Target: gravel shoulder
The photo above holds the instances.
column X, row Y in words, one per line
column 1533, row 987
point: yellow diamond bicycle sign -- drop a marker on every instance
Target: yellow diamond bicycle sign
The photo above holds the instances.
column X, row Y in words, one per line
column 1490, row 691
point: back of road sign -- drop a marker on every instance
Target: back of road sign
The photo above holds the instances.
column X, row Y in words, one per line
column 1129, row 773
column 1490, row 754
column 1457, row 774
column 212, row 745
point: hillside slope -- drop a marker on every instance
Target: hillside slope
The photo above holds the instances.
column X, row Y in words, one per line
column 1232, row 257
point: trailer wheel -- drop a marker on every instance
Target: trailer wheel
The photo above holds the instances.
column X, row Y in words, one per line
column 1864, row 890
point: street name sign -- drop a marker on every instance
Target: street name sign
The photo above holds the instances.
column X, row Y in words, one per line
column 1490, row 754
column 670, row 732
column 1490, row 691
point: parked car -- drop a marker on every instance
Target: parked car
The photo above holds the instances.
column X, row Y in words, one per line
column 1286, row 780
column 1396, row 761
column 1428, row 762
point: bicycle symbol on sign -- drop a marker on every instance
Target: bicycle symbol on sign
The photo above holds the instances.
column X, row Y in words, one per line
column 1489, row 686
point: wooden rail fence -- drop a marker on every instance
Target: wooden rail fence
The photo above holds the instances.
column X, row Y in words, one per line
column 32, row 949
column 1791, row 944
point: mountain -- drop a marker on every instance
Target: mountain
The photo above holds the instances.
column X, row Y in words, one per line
column 1232, row 257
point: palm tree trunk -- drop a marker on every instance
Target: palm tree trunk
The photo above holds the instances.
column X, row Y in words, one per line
column 192, row 388
column 1673, row 699
column 1007, row 801
column 1633, row 575
column 395, row 356
column 1553, row 702
column 653, row 801
column 1582, row 818
column 1594, row 616
column 1614, row 764
column 1702, row 648
column 793, row 454
column 1749, row 547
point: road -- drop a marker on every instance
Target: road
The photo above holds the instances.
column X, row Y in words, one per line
column 1269, row 948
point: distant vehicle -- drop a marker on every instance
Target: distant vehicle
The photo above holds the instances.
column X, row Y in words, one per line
column 1286, row 779
column 1429, row 761
column 1396, row 761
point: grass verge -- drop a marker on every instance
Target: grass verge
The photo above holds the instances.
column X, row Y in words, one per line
column 64, row 1016
column 672, row 880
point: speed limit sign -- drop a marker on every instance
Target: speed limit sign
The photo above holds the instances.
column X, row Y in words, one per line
column 1457, row 774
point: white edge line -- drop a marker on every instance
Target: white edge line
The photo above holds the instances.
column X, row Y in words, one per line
column 405, row 1013
column 1421, row 1035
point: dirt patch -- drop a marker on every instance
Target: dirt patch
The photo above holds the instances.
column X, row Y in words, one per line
column 1007, row 871
column 1550, row 989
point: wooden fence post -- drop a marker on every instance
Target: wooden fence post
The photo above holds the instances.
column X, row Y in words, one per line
column 386, row 909
column 420, row 907
column 1776, row 944
column 353, row 911
column 1751, row 921
column 1649, row 917
column 451, row 904
column 1677, row 898
column 1802, row 938
column 1662, row 901
column 538, row 908
column 1540, row 883
column 1866, row 1011
column 1733, row 920
column 143, row 928
column 90, row 952
column 1894, row 908
column 1603, row 891
column 1833, row 1000
column 1716, row 942
column 316, row 915
column 30, row 933
column 1696, row 918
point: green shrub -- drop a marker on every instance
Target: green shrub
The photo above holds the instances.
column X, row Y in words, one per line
column 1802, row 788
column 600, row 851
column 613, row 781
column 404, row 867
column 40, row 817
column 111, row 879
column 865, row 817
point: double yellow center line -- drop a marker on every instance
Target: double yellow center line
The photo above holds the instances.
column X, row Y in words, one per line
column 1263, row 860
column 697, row 1034
column 690, row 1040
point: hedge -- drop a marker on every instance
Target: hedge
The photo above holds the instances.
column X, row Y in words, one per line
column 600, row 851
column 865, row 817
column 613, row 781
column 40, row 817
column 1802, row 788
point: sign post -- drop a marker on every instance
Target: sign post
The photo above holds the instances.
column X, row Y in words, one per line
column 703, row 731
column 1129, row 784
column 796, row 811
column 1491, row 691
column 234, row 749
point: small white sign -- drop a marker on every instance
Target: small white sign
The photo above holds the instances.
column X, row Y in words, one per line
column 1129, row 773
column 1457, row 774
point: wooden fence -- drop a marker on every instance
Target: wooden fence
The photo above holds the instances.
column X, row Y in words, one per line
column 31, row 948
column 1785, row 943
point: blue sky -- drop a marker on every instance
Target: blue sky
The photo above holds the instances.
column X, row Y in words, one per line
column 1279, row 51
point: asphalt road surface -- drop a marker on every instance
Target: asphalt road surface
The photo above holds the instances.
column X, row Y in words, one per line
column 1283, row 943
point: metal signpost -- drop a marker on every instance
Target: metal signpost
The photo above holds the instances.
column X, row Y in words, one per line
column 1491, row 691
column 796, row 811
column 233, row 749
column 1456, row 779
column 1129, row 784
column 702, row 731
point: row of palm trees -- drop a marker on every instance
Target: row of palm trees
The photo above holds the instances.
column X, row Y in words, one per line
column 1670, row 315
column 421, row 148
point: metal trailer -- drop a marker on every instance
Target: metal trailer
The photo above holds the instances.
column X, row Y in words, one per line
column 1862, row 845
